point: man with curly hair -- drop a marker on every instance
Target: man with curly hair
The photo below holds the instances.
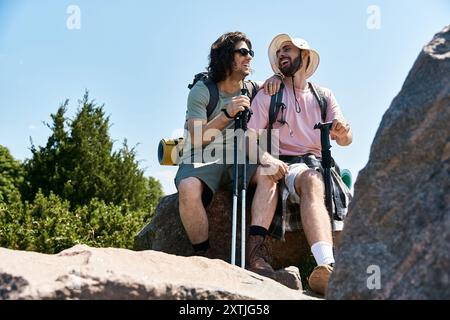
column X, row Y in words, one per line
column 230, row 63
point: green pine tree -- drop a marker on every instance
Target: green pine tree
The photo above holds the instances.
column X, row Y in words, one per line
column 76, row 188
column 78, row 163
column 11, row 176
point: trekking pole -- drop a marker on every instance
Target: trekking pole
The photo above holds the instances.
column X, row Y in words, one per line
column 240, row 122
column 235, row 193
column 245, row 117
column 326, row 165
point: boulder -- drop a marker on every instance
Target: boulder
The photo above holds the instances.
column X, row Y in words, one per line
column 166, row 233
column 396, row 243
column 83, row 272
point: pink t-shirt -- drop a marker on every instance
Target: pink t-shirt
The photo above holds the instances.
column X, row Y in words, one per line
column 299, row 137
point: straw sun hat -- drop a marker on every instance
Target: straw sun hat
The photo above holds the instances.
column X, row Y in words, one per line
column 276, row 43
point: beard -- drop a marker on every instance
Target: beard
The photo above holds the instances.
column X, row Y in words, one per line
column 290, row 70
column 242, row 72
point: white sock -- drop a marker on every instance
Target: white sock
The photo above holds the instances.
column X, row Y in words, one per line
column 323, row 252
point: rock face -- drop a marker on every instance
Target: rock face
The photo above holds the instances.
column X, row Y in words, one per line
column 166, row 233
column 396, row 243
column 107, row 273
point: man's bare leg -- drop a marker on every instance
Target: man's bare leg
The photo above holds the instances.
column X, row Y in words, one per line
column 316, row 224
column 263, row 209
column 192, row 212
column 264, row 201
column 314, row 215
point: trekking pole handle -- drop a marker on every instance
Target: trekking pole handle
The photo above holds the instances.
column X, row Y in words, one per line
column 325, row 141
column 323, row 125
column 246, row 114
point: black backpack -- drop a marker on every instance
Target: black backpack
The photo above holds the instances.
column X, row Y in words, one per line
column 249, row 86
column 276, row 104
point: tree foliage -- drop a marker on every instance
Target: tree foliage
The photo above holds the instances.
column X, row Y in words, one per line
column 11, row 176
column 49, row 225
column 76, row 188
column 78, row 163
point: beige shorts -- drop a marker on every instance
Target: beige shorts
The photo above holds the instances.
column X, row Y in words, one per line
column 294, row 170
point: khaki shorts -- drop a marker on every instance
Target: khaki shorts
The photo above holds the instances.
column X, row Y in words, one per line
column 212, row 174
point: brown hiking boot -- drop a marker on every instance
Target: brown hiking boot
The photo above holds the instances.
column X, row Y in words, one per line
column 258, row 258
column 258, row 261
column 318, row 279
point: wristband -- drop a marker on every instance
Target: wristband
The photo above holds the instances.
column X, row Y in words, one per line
column 227, row 114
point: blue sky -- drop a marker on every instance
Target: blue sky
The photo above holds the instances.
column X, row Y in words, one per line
column 137, row 57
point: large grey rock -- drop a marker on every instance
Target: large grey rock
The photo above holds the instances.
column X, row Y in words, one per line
column 398, row 225
column 166, row 233
column 108, row 273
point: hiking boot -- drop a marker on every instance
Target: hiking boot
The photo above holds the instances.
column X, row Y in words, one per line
column 319, row 277
column 258, row 258
column 258, row 261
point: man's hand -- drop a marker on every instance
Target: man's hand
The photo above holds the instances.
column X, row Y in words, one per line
column 274, row 168
column 237, row 105
column 272, row 85
column 340, row 131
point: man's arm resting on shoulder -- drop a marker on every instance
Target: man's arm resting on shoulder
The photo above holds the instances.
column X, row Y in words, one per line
column 271, row 85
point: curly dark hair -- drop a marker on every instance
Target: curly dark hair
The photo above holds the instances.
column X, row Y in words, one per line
column 221, row 57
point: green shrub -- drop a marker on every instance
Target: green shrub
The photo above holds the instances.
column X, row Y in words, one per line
column 109, row 225
column 48, row 225
column 75, row 189
column 11, row 175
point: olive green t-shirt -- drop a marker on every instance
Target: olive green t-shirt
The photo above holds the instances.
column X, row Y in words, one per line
column 198, row 99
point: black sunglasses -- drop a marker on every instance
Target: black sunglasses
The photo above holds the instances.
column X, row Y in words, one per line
column 245, row 51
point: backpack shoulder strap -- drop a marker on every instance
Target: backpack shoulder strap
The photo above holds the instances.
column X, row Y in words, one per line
column 318, row 93
column 198, row 77
column 275, row 105
column 250, row 85
column 212, row 89
column 274, row 109
column 213, row 96
column 252, row 89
